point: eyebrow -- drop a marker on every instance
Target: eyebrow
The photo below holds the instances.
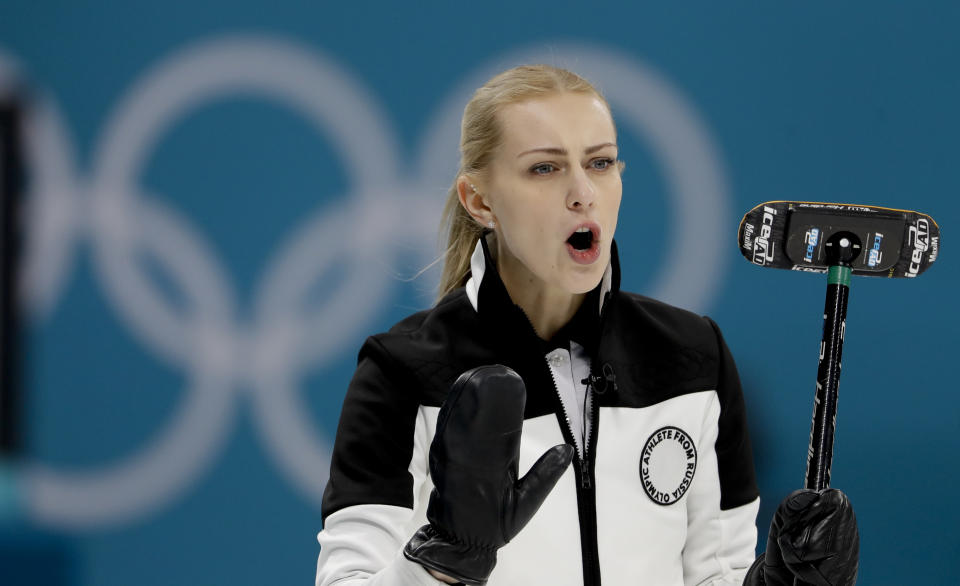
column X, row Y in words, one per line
column 563, row 152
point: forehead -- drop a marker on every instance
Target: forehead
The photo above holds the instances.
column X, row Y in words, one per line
column 565, row 120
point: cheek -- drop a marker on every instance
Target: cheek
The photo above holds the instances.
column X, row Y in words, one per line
column 529, row 236
column 613, row 207
column 532, row 234
column 616, row 189
column 615, row 200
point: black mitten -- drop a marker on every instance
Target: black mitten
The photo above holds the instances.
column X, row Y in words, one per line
column 478, row 504
column 813, row 538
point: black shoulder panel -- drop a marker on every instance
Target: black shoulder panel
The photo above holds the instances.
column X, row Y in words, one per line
column 656, row 351
column 374, row 442
column 738, row 483
column 439, row 345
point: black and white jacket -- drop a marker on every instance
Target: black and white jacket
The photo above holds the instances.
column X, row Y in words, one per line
column 662, row 491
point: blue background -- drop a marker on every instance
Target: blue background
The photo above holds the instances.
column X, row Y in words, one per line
column 852, row 102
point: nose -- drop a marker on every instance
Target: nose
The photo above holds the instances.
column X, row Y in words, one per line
column 582, row 193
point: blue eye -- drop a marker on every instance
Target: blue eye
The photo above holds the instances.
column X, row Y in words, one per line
column 542, row 169
column 602, row 164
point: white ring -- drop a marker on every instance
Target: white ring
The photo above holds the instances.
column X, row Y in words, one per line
column 53, row 212
column 276, row 70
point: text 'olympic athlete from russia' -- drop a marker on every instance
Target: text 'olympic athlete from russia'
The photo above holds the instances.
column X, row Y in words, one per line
column 533, row 360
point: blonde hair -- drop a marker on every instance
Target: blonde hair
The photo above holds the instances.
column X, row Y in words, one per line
column 480, row 136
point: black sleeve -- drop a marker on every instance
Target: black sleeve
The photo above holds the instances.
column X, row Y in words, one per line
column 738, row 483
column 375, row 436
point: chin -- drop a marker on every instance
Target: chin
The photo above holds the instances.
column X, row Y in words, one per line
column 586, row 281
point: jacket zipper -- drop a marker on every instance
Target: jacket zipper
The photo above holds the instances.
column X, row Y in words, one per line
column 586, row 497
column 590, row 549
column 582, row 460
column 588, row 512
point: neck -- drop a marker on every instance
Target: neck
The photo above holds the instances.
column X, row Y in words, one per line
column 547, row 309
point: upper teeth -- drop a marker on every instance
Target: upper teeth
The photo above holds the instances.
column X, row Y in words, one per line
column 583, row 229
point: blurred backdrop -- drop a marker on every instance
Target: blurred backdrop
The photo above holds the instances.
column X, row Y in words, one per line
column 225, row 198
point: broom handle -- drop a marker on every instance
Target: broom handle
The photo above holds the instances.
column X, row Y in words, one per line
column 820, row 452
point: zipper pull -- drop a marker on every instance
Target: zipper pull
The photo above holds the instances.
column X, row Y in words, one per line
column 584, row 473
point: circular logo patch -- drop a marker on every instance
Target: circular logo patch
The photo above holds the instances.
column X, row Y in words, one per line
column 667, row 464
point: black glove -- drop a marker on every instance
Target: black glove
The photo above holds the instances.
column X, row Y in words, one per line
column 813, row 538
column 477, row 504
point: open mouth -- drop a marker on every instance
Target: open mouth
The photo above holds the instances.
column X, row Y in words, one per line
column 584, row 244
column 582, row 239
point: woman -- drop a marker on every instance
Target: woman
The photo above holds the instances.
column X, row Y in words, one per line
column 641, row 397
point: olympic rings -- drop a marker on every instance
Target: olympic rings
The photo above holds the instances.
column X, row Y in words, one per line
column 221, row 352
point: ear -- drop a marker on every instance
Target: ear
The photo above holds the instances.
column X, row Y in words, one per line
column 474, row 200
